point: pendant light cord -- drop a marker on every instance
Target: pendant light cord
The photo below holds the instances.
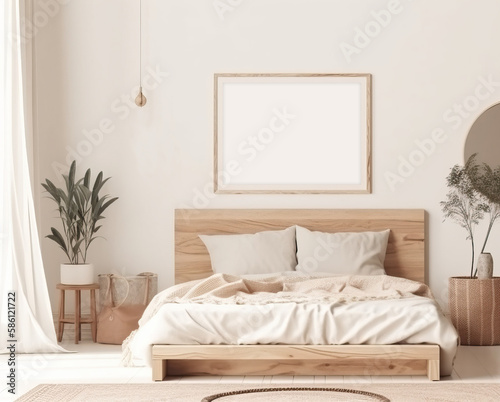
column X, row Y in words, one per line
column 140, row 100
column 140, row 43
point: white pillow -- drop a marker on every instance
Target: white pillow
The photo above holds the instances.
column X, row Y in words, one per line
column 259, row 253
column 360, row 253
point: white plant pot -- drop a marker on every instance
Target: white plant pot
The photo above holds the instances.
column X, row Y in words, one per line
column 77, row 274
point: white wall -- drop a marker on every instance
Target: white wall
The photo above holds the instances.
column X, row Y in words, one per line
column 428, row 59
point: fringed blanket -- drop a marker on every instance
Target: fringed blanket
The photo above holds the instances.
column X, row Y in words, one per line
column 201, row 312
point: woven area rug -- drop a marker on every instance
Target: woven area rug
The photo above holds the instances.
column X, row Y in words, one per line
column 412, row 392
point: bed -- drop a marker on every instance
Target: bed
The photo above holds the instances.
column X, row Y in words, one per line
column 405, row 258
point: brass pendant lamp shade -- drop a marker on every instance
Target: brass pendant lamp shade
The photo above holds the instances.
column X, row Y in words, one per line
column 140, row 99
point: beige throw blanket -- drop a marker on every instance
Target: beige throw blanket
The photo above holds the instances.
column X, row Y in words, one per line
column 228, row 289
column 293, row 309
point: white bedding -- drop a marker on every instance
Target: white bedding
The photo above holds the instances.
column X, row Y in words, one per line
column 389, row 314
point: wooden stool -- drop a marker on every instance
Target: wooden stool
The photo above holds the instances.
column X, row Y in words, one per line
column 78, row 320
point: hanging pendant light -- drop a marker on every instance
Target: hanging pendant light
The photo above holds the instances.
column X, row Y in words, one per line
column 140, row 100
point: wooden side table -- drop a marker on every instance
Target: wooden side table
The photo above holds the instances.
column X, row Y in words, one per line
column 92, row 320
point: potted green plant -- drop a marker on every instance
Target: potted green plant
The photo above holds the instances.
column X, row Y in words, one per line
column 80, row 208
column 474, row 190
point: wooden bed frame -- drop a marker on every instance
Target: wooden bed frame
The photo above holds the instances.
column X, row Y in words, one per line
column 405, row 258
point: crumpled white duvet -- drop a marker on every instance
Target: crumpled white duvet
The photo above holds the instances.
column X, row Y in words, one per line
column 351, row 310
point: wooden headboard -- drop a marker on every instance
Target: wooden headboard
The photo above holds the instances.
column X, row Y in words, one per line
column 405, row 252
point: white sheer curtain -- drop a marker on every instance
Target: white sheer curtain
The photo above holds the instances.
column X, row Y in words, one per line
column 21, row 269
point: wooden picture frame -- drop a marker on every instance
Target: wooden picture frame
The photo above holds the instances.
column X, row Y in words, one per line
column 292, row 133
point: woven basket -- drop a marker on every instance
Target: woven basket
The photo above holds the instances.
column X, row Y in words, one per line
column 475, row 310
column 132, row 292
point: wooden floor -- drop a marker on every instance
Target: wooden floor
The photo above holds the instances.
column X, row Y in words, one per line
column 96, row 363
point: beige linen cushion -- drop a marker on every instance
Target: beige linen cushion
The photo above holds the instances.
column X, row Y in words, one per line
column 341, row 253
column 260, row 253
